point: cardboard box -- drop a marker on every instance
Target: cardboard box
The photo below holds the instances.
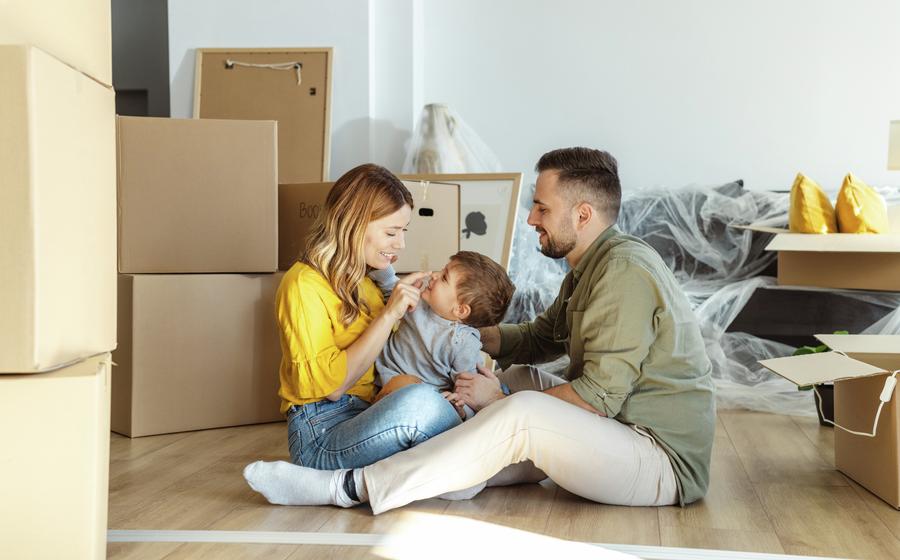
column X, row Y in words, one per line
column 197, row 195
column 859, row 367
column 55, row 462
column 196, row 351
column 299, row 207
column 838, row 260
column 296, row 92
column 57, row 213
column 77, row 33
column 432, row 236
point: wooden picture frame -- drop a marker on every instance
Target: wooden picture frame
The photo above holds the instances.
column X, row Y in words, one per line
column 493, row 195
column 288, row 85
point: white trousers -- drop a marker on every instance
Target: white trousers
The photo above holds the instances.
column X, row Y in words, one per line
column 592, row 456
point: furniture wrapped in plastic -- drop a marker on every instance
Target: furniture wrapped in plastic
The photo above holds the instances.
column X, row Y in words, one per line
column 444, row 143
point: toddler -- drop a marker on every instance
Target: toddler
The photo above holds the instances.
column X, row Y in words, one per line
column 440, row 337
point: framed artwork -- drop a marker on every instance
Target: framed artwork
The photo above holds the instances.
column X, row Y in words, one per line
column 488, row 204
column 291, row 86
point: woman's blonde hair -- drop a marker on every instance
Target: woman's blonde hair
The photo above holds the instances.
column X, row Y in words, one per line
column 336, row 246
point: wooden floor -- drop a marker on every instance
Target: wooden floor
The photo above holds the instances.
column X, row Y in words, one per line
column 774, row 489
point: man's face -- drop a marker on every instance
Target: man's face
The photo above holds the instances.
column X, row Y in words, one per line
column 552, row 217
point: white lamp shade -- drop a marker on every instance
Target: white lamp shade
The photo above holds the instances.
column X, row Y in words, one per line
column 894, row 146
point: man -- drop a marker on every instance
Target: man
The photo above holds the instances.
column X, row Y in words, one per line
column 632, row 423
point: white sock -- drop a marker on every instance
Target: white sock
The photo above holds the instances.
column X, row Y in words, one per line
column 287, row 484
column 464, row 494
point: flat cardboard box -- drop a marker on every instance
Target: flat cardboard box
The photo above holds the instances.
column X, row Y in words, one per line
column 55, row 462
column 57, row 213
column 197, row 196
column 838, row 260
column 196, row 351
column 432, row 236
column 77, row 33
column 858, row 366
column 237, row 84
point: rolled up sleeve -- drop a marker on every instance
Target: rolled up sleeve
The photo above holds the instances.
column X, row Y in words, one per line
column 617, row 329
column 318, row 366
column 531, row 342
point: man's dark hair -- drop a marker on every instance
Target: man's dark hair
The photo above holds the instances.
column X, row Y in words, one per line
column 586, row 175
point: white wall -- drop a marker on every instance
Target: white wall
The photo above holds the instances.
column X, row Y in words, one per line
column 341, row 24
column 680, row 91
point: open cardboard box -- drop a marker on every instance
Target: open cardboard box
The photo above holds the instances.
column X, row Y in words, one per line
column 859, row 366
column 838, row 260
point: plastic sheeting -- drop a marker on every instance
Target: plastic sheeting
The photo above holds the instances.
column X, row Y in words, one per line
column 719, row 268
column 444, row 143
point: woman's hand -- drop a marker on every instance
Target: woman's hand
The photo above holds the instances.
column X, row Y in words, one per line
column 405, row 295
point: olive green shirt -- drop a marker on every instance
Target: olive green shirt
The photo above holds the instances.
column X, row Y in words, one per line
column 635, row 348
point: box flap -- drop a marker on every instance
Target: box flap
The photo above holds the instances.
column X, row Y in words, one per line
column 764, row 229
column 836, row 242
column 787, row 241
column 823, row 367
column 862, row 343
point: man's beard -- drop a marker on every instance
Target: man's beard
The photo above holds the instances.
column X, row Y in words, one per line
column 557, row 248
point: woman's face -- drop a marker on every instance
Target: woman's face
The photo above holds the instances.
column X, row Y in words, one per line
column 385, row 237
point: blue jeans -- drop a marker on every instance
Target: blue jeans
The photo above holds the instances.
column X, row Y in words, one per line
column 350, row 433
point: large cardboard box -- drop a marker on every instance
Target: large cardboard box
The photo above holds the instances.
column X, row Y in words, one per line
column 838, row 260
column 78, row 33
column 57, row 213
column 54, row 429
column 431, row 238
column 196, row 351
column 859, row 366
column 197, row 195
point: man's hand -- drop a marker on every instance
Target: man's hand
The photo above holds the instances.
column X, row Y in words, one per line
column 457, row 404
column 478, row 389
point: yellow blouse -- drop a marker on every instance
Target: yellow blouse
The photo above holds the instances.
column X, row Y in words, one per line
column 313, row 339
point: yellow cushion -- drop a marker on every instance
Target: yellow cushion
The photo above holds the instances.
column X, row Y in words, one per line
column 859, row 208
column 811, row 211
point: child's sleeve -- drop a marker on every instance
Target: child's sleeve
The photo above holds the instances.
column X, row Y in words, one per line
column 467, row 355
column 466, row 359
column 385, row 280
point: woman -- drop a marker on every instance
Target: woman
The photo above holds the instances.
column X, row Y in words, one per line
column 334, row 323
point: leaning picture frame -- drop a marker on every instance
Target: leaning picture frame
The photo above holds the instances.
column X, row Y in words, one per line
column 489, row 205
column 289, row 85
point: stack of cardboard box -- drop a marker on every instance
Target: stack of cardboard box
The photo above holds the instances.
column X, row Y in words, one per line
column 198, row 260
column 58, row 276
